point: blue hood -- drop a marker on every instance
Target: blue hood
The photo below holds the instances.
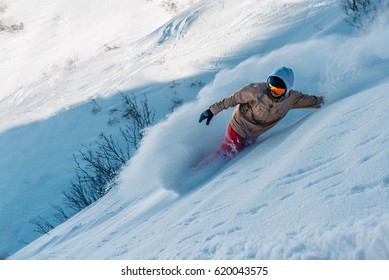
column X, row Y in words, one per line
column 285, row 74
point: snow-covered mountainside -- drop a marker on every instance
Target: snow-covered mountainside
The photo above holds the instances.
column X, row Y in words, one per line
column 69, row 52
column 315, row 186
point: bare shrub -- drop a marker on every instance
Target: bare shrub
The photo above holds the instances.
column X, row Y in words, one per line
column 96, row 171
column 11, row 27
column 96, row 107
column 8, row 25
column 41, row 225
column 176, row 102
column 361, row 13
column 138, row 116
column 98, row 165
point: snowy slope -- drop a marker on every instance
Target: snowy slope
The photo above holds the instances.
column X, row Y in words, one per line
column 317, row 189
column 316, row 186
column 50, row 70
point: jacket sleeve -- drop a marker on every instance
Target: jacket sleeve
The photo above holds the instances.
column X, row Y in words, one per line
column 244, row 95
column 298, row 100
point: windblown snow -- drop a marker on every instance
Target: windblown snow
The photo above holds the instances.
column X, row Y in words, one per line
column 316, row 186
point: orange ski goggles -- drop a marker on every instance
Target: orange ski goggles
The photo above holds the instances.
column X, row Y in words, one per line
column 276, row 90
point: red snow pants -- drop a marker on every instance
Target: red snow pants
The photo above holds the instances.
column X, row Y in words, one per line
column 233, row 143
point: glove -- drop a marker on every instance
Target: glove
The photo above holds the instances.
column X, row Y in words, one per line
column 207, row 114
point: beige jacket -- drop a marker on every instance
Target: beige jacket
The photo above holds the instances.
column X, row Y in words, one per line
column 257, row 111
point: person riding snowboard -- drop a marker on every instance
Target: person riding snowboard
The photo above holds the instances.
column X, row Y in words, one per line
column 260, row 107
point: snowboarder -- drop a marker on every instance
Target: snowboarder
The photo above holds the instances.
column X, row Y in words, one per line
column 260, row 107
